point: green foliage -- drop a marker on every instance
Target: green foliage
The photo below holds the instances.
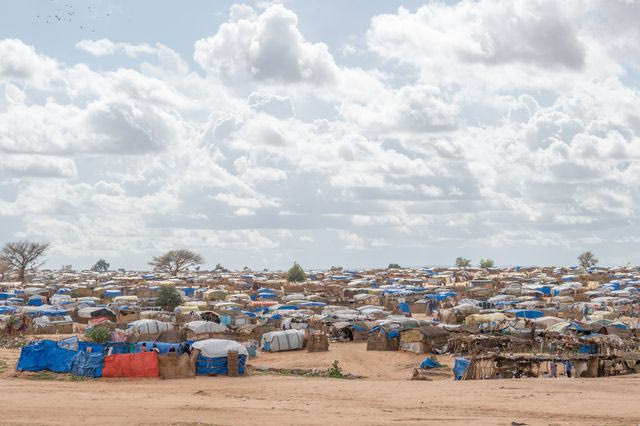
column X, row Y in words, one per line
column 169, row 298
column 175, row 261
column 100, row 266
column 461, row 262
column 394, row 266
column 335, row 372
column 587, row 260
column 486, row 263
column 99, row 334
column 296, row 274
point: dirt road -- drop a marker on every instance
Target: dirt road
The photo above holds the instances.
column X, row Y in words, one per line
column 384, row 398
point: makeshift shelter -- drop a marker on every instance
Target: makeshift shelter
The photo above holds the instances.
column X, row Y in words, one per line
column 48, row 355
column 284, row 340
column 383, row 339
column 217, row 356
column 424, row 339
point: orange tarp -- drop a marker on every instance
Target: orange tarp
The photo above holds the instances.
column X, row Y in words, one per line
column 144, row 364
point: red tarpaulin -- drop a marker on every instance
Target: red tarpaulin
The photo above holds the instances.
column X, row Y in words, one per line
column 144, row 364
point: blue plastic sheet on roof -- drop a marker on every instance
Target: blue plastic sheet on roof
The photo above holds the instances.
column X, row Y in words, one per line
column 393, row 334
column 19, row 291
column 112, row 293
column 430, row 363
column 15, row 301
column 7, row 310
column 287, row 308
column 5, row 296
column 35, row 301
column 267, row 295
column 63, row 291
column 340, row 277
column 460, row 367
column 526, row 313
column 249, row 314
column 311, row 304
column 48, row 313
column 266, row 290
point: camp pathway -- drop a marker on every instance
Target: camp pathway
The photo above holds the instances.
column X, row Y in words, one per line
column 300, row 400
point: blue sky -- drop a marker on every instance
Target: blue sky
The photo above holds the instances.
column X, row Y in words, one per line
column 333, row 133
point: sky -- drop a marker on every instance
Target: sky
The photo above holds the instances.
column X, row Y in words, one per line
column 333, row 133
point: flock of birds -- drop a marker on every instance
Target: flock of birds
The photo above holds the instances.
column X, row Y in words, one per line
column 67, row 13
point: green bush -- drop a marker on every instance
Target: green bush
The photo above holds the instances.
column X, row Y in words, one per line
column 335, row 372
column 99, row 334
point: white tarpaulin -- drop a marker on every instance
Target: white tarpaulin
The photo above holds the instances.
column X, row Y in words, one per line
column 205, row 327
column 283, row 340
column 149, row 326
column 217, row 348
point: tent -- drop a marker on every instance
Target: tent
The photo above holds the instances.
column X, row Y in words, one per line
column 149, row 326
column 199, row 327
column 213, row 356
column 285, row 340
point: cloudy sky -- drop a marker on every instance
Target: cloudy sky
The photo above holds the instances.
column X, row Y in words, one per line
column 351, row 133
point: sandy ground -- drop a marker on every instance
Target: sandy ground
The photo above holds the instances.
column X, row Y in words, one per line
column 385, row 396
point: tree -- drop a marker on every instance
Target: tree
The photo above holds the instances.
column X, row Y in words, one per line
column 220, row 268
column 393, row 266
column 461, row 262
column 5, row 267
column 23, row 255
column 175, row 261
column 587, row 260
column 486, row 263
column 100, row 266
column 296, row 274
column 169, row 298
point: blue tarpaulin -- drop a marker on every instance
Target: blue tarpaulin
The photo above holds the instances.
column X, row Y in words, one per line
column 526, row 313
column 430, row 363
column 205, row 366
column 404, row 307
column 7, row 310
column 162, row 346
column 45, row 355
column 460, row 367
column 87, row 364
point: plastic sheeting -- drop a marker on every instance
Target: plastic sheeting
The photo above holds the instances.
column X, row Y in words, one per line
column 87, row 364
column 286, row 340
column 143, row 364
column 460, row 367
column 205, row 327
column 219, row 365
column 149, row 326
column 430, row 363
column 45, row 355
column 216, row 348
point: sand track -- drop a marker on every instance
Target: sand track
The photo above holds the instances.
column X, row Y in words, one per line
column 384, row 397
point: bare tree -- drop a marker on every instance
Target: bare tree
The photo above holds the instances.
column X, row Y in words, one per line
column 587, row 260
column 175, row 261
column 4, row 268
column 23, row 255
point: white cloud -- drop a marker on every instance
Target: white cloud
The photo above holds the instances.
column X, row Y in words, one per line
column 266, row 47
